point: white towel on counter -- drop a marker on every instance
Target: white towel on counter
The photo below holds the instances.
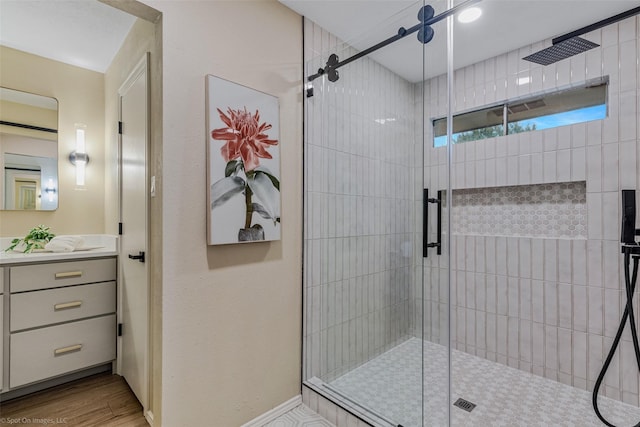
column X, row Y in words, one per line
column 64, row 244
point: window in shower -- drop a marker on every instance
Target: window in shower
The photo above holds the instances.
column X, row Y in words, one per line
column 559, row 108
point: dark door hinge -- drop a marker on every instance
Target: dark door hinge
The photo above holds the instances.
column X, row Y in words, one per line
column 119, row 329
column 120, row 128
column 120, row 228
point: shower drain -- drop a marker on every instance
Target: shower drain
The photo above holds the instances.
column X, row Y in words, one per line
column 464, row 404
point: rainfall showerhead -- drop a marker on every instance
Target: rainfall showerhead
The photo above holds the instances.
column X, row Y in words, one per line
column 570, row 44
column 560, row 51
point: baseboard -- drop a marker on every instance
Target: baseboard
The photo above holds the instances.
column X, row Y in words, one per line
column 274, row 413
column 148, row 415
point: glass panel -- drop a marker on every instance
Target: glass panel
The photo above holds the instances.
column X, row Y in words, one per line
column 364, row 142
column 578, row 115
column 534, row 312
column 471, row 126
column 561, row 108
column 435, row 179
column 553, row 109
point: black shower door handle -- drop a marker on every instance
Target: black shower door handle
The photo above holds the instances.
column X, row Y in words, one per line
column 425, row 223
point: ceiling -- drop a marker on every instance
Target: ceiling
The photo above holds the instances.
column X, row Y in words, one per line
column 85, row 33
column 505, row 25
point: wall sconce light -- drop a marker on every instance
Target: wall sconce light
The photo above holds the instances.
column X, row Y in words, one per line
column 50, row 189
column 79, row 157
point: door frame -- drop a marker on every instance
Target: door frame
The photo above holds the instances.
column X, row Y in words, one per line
column 142, row 67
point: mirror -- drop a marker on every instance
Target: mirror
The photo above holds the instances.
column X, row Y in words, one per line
column 28, row 151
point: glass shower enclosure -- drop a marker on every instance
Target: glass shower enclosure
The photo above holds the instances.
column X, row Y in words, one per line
column 508, row 164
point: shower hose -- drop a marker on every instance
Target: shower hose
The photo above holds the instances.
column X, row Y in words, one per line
column 630, row 280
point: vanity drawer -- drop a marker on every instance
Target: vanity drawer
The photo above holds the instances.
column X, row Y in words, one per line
column 41, row 308
column 54, row 275
column 47, row 352
column 1, row 343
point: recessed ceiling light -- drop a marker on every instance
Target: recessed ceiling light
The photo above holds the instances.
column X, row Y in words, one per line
column 469, row 15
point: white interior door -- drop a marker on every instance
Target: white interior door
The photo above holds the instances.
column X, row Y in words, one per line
column 134, row 279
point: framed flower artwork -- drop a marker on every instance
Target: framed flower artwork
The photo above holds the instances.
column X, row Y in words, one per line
column 243, row 164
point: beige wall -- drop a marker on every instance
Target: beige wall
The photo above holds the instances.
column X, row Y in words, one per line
column 231, row 314
column 80, row 95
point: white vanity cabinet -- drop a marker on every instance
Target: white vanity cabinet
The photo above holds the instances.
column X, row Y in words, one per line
column 62, row 318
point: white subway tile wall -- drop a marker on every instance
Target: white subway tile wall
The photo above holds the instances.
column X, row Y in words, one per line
column 547, row 303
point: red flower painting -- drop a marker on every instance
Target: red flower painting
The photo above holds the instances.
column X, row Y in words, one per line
column 245, row 143
column 245, row 137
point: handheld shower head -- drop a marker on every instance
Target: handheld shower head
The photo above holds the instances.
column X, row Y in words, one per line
column 631, row 251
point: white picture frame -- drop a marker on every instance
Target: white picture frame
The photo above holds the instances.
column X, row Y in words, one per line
column 243, row 164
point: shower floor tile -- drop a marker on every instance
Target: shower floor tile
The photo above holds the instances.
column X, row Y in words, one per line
column 390, row 386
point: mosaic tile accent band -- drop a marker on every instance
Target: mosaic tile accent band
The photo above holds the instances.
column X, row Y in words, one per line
column 557, row 210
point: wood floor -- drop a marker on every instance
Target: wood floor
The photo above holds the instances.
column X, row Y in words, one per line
column 103, row 400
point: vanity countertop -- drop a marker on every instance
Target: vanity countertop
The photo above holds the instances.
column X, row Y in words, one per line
column 98, row 245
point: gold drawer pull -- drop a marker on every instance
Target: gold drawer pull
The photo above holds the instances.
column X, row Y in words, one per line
column 66, row 305
column 68, row 274
column 65, row 350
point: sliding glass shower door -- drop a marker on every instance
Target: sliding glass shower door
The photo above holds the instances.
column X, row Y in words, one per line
column 376, row 325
